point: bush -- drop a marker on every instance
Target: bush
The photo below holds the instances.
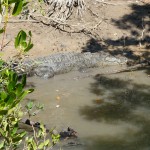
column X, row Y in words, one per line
column 12, row 91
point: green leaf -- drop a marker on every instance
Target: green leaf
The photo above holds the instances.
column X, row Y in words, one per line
column 28, row 48
column 13, row 1
column 18, row 8
column 55, row 138
column 22, row 134
column 41, row 146
column 14, row 78
column 6, row 126
column 3, row 112
column 10, row 86
column 23, row 36
column 24, row 93
column 17, row 139
column 23, row 45
column 29, row 105
column 46, row 142
column 39, row 106
column 12, row 97
column 1, row 30
column 42, row 128
column 14, row 131
column 20, row 114
column 30, row 90
column 3, row 95
column 1, row 62
column 20, row 40
column 23, row 80
column 25, row 4
column 19, row 89
column 1, row 9
column 7, row 72
column 34, row 145
column 30, row 33
column 17, row 40
column 29, row 139
column 39, row 133
column 30, row 45
column 2, row 132
column 2, row 144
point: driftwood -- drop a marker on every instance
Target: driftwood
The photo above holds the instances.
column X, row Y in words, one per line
column 69, row 133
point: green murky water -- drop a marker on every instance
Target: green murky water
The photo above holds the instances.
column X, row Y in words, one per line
column 110, row 112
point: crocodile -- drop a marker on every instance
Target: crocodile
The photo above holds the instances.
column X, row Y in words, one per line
column 49, row 66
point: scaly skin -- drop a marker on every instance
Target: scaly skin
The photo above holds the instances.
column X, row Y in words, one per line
column 49, row 66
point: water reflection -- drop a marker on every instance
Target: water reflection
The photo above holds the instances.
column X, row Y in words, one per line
column 123, row 101
column 108, row 112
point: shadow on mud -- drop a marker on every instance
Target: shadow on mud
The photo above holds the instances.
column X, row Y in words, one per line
column 119, row 101
column 93, row 46
column 137, row 24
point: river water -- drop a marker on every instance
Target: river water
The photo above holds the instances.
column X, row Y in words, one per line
column 109, row 112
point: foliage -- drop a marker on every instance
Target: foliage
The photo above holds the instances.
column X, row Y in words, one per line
column 41, row 138
column 11, row 94
column 9, row 8
column 30, row 106
column 21, row 42
column 39, row 141
column 12, row 91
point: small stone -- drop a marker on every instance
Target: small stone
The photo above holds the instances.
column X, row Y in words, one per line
column 58, row 98
column 57, row 106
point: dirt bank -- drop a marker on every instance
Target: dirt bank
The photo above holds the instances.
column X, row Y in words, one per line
column 116, row 26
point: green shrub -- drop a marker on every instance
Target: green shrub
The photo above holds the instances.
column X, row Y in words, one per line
column 12, row 92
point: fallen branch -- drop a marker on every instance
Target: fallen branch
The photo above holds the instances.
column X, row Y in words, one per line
column 19, row 21
column 107, row 3
column 69, row 133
